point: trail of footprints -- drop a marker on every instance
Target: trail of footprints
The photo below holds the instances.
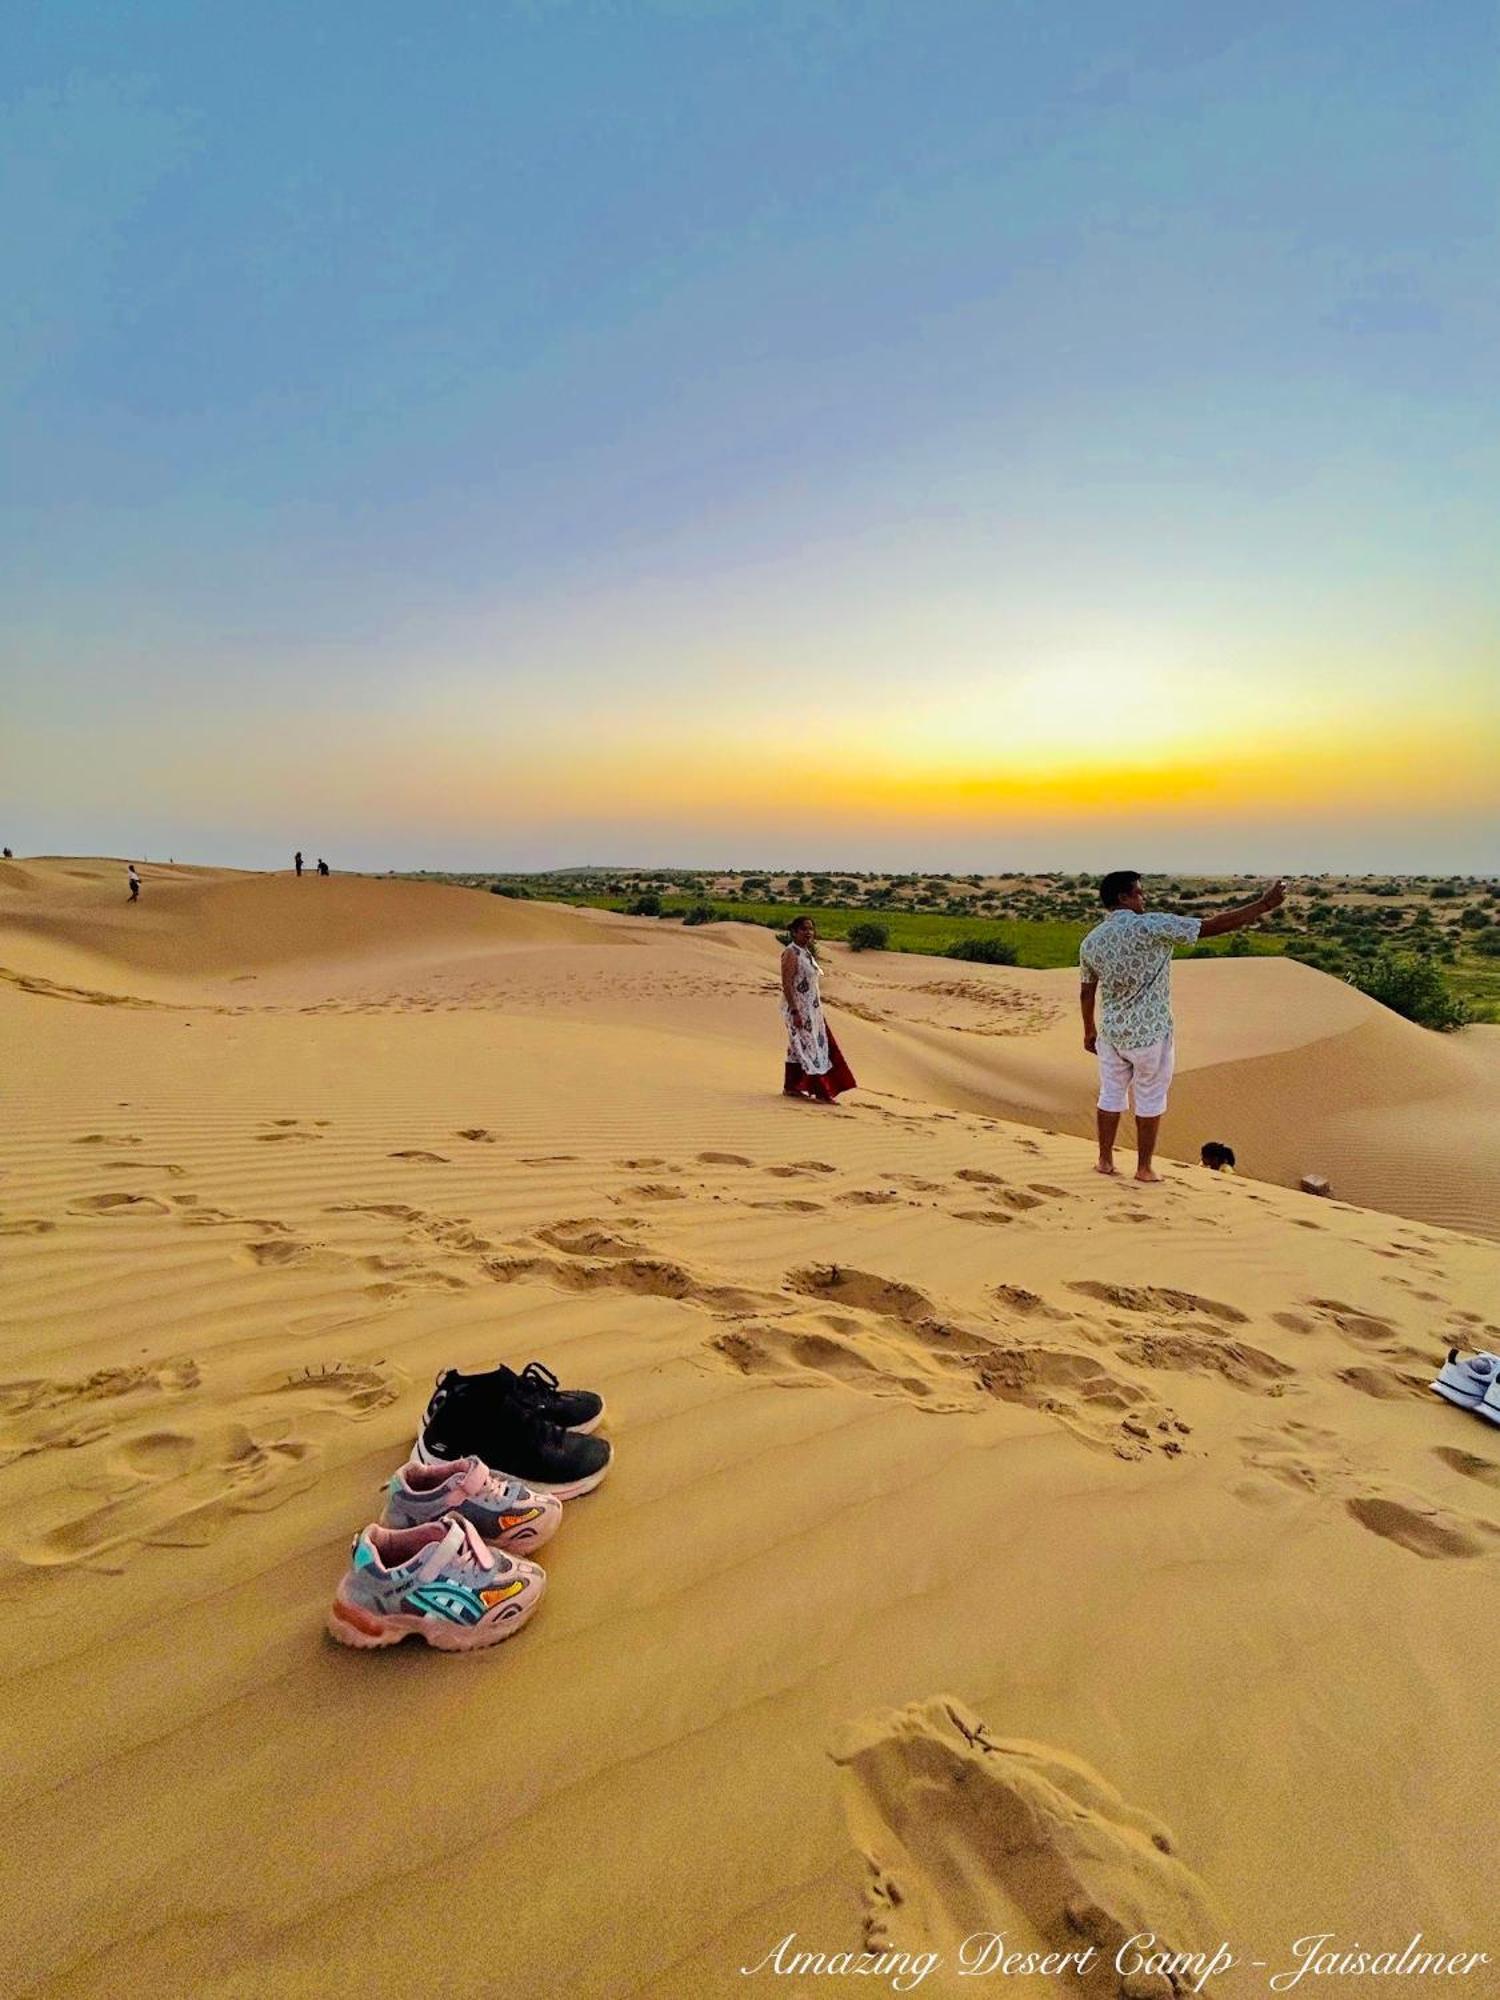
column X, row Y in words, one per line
column 1082, row 1364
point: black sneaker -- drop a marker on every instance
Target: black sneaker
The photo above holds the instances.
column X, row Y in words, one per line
column 482, row 1416
column 569, row 1409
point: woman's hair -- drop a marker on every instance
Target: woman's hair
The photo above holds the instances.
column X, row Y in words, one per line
column 1217, row 1155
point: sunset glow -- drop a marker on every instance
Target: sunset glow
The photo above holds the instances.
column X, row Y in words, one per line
column 700, row 434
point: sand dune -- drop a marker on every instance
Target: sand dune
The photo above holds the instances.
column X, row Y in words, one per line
column 1299, row 1072
column 989, row 1545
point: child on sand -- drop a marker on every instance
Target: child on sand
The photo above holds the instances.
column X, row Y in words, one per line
column 1219, row 1158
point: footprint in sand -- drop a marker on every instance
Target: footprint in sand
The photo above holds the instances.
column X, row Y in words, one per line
column 1370, row 1329
column 169, row 1488
column 346, row 1388
column 794, row 1358
column 990, row 1215
column 118, row 1204
column 963, row 1832
column 585, row 1236
column 477, row 1135
column 27, row 1225
column 1159, row 1299
column 1422, row 1528
column 724, row 1160
column 791, row 1206
column 1016, row 1299
column 44, row 1412
column 1386, row 1385
column 281, row 1253
column 290, row 1128
column 654, row 1191
column 1485, row 1470
column 109, row 1139
column 415, row 1153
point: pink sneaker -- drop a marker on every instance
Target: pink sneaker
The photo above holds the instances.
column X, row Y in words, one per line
column 507, row 1514
column 439, row 1581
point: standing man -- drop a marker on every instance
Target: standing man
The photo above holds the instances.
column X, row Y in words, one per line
column 1126, row 961
column 297, row 861
column 135, row 883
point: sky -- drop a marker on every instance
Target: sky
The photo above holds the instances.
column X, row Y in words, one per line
column 964, row 434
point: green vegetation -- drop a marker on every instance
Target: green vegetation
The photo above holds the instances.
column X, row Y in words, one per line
column 1348, row 926
column 868, row 937
column 1414, row 987
column 983, row 950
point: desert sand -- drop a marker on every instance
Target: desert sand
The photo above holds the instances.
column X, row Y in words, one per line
column 989, row 1547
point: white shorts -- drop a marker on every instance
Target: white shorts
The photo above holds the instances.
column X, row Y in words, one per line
column 1146, row 1072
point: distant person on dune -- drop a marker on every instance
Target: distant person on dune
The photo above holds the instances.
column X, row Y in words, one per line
column 1125, row 964
column 322, row 866
column 135, row 883
column 815, row 1066
column 8, row 855
column 297, row 861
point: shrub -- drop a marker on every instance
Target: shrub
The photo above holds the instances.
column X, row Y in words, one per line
column 869, row 937
column 1238, row 947
column 1202, row 951
column 983, row 951
column 1475, row 919
column 1413, row 987
column 1489, row 944
column 510, row 889
column 701, row 913
column 647, row 905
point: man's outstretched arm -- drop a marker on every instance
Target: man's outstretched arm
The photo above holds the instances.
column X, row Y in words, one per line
column 1247, row 913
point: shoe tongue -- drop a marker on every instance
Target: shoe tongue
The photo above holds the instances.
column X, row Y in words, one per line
column 461, row 1543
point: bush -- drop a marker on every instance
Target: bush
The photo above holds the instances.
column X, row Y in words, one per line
column 1238, row 947
column 1202, row 951
column 869, row 937
column 1413, row 987
column 648, row 905
column 510, row 889
column 1488, row 945
column 701, row 913
column 983, row 951
column 1475, row 919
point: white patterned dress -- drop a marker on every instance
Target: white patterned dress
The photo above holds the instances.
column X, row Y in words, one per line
column 806, row 1046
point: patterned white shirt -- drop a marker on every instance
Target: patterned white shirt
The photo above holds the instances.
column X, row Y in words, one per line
column 1130, row 955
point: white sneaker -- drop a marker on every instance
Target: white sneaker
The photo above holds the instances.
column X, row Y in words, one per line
column 1490, row 1407
column 1469, row 1382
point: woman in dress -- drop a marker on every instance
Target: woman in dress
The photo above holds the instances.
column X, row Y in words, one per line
column 815, row 1066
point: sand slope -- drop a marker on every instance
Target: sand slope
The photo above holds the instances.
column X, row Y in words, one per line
column 929, row 1440
column 1297, row 1071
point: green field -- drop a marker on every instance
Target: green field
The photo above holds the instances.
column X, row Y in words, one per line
column 1041, row 943
column 1476, row 979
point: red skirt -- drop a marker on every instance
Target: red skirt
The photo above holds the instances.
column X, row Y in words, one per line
column 839, row 1077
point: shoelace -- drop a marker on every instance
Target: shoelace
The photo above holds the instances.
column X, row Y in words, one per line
column 538, row 1381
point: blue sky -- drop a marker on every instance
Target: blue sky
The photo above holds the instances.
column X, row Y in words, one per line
column 700, row 432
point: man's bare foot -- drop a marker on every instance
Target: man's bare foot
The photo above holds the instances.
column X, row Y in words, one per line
column 1104, row 1167
column 1145, row 1175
